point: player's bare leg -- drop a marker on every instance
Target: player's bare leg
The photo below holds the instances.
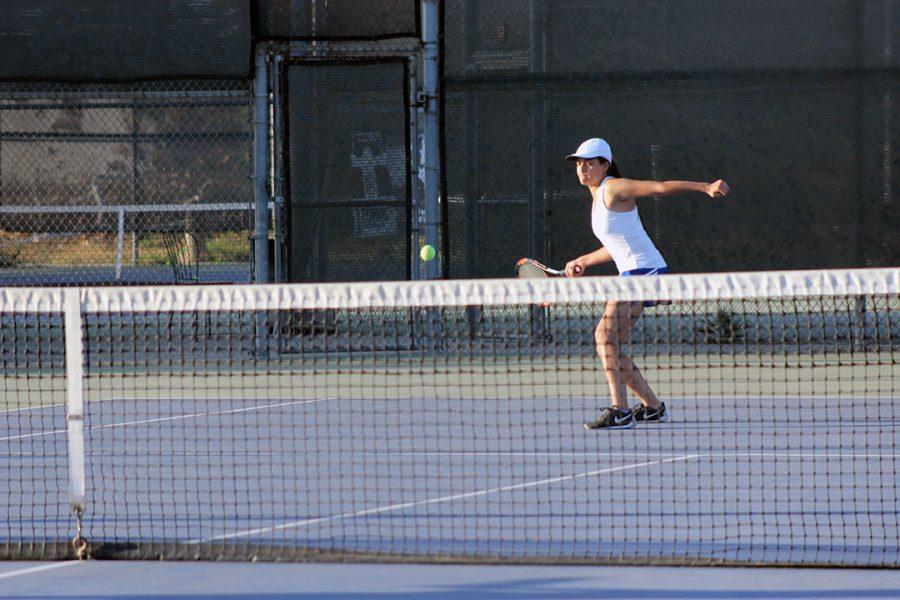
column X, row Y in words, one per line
column 619, row 370
column 636, row 382
column 612, row 331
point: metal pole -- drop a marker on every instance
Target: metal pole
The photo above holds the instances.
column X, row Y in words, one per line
column 137, row 195
column 277, row 176
column 430, row 168
column 120, row 242
column 260, row 193
column 75, row 397
column 414, row 181
column 260, row 170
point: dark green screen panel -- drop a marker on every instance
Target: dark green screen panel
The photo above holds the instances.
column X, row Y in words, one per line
column 349, row 181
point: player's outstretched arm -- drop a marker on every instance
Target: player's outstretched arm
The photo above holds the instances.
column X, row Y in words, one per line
column 622, row 188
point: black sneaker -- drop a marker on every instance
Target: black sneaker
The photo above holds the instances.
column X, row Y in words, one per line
column 613, row 418
column 653, row 415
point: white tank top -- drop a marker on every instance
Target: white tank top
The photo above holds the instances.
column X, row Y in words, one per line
column 623, row 235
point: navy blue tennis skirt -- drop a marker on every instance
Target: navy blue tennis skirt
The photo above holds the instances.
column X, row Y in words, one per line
column 639, row 272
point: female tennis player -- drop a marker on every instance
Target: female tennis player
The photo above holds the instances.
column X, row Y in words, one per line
column 615, row 222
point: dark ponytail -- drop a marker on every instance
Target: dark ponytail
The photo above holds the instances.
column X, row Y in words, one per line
column 614, row 170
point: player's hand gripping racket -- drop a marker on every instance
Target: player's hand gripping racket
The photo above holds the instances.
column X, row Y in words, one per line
column 528, row 268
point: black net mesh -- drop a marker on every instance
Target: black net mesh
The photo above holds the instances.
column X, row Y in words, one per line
column 792, row 103
column 349, row 179
column 98, row 40
column 444, row 421
column 337, row 19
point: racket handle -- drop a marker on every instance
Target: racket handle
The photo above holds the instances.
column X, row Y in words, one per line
column 577, row 269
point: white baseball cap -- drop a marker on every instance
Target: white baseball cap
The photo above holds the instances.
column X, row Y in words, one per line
column 593, row 148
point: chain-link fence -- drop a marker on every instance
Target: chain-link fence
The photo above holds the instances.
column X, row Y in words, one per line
column 350, row 215
column 794, row 103
column 95, row 177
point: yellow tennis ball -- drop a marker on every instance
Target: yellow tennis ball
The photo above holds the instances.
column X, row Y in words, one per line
column 427, row 252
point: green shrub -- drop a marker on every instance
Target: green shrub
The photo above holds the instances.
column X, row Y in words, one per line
column 227, row 247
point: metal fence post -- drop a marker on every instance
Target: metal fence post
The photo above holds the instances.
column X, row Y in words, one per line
column 260, row 169
column 277, row 167
column 120, row 242
column 260, row 192
column 431, row 168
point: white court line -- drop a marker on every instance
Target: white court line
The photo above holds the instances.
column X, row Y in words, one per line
column 776, row 454
column 164, row 419
column 393, row 507
column 25, row 436
column 382, row 453
column 690, row 397
column 27, row 408
column 98, row 400
column 605, row 454
column 232, row 411
column 39, row 568
column 494, row 454
column 785, row 398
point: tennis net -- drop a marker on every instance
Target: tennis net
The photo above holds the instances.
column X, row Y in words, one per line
column 442, row 421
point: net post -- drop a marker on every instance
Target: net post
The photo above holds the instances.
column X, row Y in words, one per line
column 75, row 409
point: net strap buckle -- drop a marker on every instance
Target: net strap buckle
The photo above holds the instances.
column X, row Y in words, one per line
column 79, row 543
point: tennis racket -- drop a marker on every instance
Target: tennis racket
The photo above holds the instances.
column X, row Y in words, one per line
column 528, row 268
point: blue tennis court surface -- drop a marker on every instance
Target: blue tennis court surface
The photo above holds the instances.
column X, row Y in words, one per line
column 442, row 421
column 268, row 581
column 514, row 478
